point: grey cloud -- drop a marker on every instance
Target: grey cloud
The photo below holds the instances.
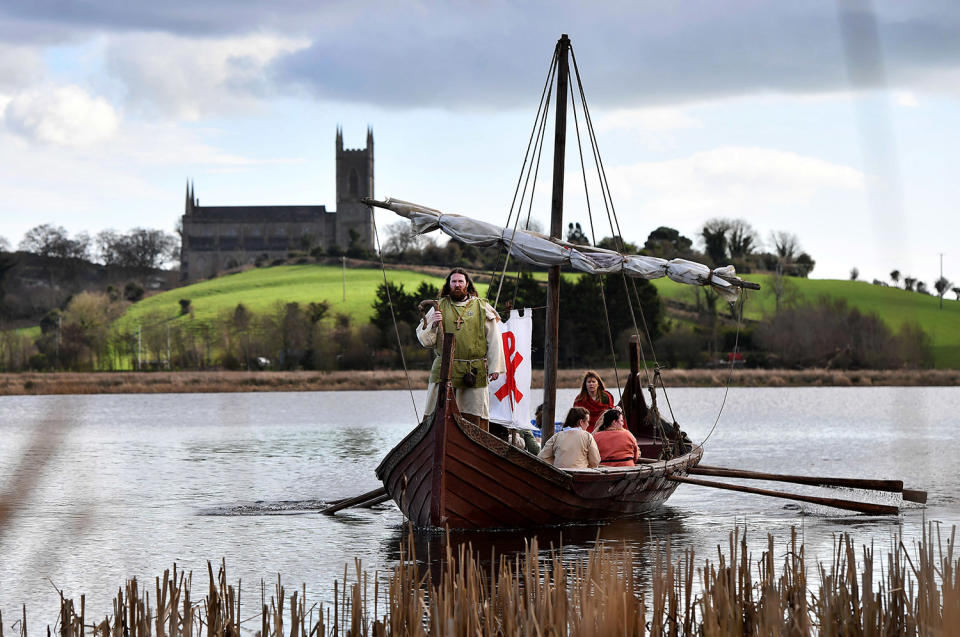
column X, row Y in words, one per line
column 630, row 55
column 19, row 65
column 494, row 54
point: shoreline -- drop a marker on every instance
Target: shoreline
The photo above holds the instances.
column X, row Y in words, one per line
column 52, row 383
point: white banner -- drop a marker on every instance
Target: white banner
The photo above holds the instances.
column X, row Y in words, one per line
column 510, row 393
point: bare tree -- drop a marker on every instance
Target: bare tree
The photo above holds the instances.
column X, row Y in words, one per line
column 4, row 245
column 54, row 241
column 139, row 248
column 742, row 239
column 895, row 277
column 533, row 225
column 401, row 238
column 785, row 244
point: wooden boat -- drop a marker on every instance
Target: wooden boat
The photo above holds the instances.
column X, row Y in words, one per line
column 449, row 472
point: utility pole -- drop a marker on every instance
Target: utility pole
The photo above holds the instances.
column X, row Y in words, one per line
column 59, row 325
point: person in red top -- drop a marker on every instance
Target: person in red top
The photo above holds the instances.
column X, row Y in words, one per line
column 593, row 397
column 618, row 447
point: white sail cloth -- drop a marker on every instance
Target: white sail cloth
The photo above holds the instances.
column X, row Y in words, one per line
column 538, row 249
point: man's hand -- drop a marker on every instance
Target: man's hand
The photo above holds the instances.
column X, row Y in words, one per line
column 437, row 316
column 494, row 375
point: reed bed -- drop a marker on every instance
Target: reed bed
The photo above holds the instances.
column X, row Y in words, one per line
column 914, row 592
column 224, row 381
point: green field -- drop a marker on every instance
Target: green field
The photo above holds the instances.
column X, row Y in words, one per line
column 894, row 305
column 261, row 289
column 351, row 291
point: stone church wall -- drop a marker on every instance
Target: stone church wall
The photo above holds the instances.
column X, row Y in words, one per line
column 216, row 238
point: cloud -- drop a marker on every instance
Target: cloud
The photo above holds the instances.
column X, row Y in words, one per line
column 487, row 55
column 19, row 65
column 646, row 120
column 192, row 78
column 731, row 182
column 61, row 116
column 494, row 54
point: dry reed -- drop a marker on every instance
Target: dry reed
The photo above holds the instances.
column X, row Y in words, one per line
column 531, row 594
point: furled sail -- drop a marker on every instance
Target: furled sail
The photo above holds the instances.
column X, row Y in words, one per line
column 537, row 249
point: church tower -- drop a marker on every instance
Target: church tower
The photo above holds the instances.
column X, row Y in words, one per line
column 354, row 181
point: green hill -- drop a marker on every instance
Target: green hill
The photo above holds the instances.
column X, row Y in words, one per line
column 894, row 305
column 261, row 289
column 350, row 291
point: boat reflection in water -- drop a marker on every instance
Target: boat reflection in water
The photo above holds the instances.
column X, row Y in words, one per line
column 570, row 542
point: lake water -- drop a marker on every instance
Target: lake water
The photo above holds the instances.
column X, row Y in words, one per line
column 134, row 483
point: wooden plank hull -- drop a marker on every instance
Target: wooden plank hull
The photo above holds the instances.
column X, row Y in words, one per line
column 449, row 472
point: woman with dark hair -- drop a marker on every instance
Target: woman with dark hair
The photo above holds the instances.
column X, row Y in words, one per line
column 593, row 397
column 618, row 447
column 572, row 447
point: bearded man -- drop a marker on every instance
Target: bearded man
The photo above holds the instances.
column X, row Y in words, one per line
column 478, row 354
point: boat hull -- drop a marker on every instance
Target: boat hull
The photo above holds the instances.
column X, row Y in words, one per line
column 449, row 472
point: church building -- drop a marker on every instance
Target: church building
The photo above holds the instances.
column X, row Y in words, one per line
column 215, row 238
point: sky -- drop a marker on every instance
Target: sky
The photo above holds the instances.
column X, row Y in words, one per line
column 836, row 121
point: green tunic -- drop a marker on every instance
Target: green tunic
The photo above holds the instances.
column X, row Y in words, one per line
column 471, row 347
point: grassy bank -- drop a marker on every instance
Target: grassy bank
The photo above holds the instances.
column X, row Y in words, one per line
column 350, row 291
column 36, row 383
column 261, row 289
column 894, row 306
column 907, row 592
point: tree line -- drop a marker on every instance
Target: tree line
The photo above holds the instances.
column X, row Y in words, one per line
column 913, row 284
column 139, row 247
column 599, row 315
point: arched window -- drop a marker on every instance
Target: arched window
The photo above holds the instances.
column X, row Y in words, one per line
column 354, row 183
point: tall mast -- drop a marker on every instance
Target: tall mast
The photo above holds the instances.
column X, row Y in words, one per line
column 551, row 337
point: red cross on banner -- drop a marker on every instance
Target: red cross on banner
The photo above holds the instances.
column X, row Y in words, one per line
column 514, row 358
column 510, row 393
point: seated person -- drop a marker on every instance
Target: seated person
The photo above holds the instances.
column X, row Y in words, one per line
column 572, row 447
column 520, row 438
column 593, row 397
column 618, row 447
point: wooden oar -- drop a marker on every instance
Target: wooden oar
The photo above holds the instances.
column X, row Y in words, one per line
column 355, row 501
column 891, row 486
column 850, row 505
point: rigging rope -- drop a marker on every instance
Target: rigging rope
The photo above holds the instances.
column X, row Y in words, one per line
column 611, row 217
column 593, row 237
column 741, row 300
column 396, row 330
column 543, row 108
column 618, row 241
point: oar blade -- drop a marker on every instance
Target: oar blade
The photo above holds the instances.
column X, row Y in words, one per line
column 915, row 495
column 359, row 500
